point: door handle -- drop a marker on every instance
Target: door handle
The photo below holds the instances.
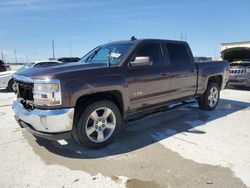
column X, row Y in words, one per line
column 164, row 74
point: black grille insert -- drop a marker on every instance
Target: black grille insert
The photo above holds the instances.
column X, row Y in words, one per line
column 25, row 90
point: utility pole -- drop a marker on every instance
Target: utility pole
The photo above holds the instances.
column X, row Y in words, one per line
column 70, row 50
column 2, row 55
column 27, row 58
column 53, row 48
column 181, row 37
column 214, row 54
column 15, row 57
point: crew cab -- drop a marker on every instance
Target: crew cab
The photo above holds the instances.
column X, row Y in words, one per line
column 111, row 84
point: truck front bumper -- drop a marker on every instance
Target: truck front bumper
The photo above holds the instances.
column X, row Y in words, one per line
column 49, row 124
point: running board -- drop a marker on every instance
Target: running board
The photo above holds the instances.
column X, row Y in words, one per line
column 162, row 110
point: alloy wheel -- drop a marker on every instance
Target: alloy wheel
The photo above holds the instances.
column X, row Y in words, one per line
column 213, row 97
column 100, row 125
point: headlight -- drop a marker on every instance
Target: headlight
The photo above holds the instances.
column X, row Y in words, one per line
column 47, row 92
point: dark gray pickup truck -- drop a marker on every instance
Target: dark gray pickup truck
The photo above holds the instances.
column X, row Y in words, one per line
column 113, row 83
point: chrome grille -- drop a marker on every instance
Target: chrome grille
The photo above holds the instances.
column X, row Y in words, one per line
column 238, row 71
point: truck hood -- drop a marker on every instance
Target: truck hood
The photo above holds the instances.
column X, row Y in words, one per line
column 53, row 71
column 236, row 54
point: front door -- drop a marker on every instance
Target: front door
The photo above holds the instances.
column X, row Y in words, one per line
column 147, row 84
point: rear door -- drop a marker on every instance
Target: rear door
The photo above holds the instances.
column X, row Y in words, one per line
column 147, row 84
column 182, row 70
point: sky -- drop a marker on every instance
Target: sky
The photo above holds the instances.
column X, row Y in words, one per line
column 28, row 26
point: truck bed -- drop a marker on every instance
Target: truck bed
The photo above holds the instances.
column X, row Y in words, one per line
column 208, row 69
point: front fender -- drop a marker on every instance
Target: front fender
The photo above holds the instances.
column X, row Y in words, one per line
column 94, row 85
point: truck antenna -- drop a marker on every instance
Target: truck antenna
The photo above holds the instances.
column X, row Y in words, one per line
column 133, row 38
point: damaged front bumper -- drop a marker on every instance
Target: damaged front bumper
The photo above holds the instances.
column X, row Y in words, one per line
column 49, row 124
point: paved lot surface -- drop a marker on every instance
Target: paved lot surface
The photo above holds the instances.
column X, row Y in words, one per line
column 184, row 148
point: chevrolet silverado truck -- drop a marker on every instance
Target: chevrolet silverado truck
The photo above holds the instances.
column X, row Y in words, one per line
column 89, row 100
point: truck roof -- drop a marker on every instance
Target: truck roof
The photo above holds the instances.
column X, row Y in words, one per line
column 149, row 40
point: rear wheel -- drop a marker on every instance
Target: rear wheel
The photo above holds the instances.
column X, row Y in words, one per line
column 98, row 124
column 209, row 100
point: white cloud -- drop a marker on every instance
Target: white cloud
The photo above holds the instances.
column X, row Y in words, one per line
column 9, row 5
column 15, row 3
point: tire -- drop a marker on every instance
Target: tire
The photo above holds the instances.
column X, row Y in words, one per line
column 209, row 100
column 10, row 85
column 97, row 124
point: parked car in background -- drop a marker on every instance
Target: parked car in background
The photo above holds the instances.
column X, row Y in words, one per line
column 4, row 67
column 66, row 59
column 115, row 82
column 239, row 60
column 202, row 59
column 6, row 80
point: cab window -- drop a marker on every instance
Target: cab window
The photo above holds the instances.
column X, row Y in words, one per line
column 152, row 50
column 178, row 53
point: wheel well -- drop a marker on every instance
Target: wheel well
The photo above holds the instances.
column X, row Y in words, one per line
column 114, row 96
column 9, row 82
column 216, row 79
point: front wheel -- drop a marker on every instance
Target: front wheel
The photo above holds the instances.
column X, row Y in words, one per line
column 209, row 100
column 98, row 124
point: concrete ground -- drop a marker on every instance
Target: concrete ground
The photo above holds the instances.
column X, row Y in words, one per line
column 184, row 148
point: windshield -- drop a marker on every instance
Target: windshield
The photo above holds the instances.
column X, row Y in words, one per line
column 111, row 54
column 28, row 65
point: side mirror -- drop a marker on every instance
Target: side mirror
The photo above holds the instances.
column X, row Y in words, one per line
column 141, row 61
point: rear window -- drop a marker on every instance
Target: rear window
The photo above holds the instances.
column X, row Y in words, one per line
column 178, row 53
